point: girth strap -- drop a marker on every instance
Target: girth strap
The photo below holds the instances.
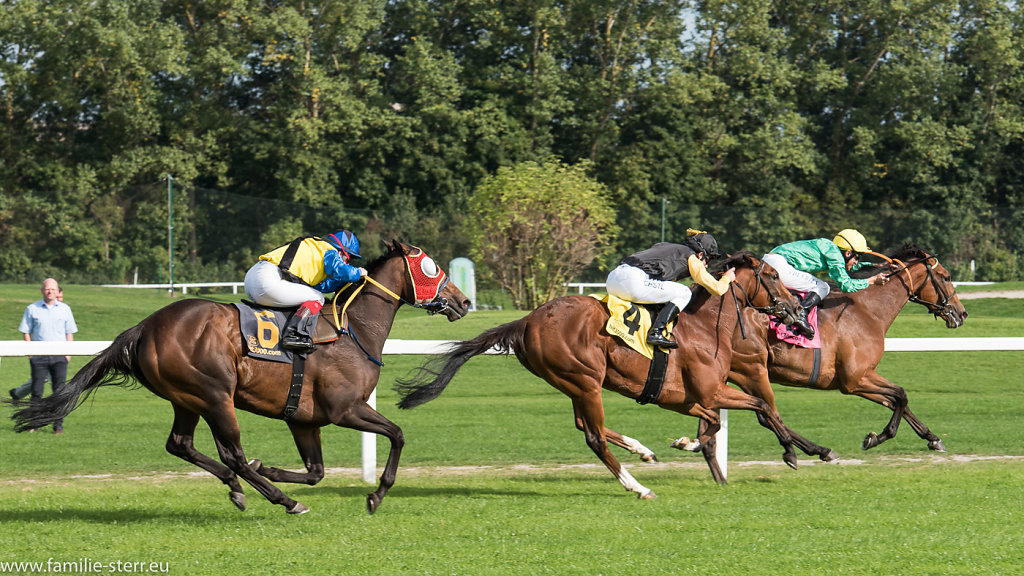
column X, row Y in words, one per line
column 816, row 369
column 291, row 405
column 655, row 377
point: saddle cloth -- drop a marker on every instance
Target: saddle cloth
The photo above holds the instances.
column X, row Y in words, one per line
column 261, row 332
column 629, row 322
column 785, row 334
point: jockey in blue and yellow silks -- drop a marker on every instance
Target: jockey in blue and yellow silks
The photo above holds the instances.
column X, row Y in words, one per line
column 298, row 274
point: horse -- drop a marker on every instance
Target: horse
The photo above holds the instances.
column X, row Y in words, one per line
column 191, row 354
column 564, row 342
column 852, row 328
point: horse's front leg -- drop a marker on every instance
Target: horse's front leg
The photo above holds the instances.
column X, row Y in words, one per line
column 363, row 418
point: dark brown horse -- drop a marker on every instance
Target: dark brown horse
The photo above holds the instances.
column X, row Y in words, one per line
column 191, row 354
column 565, row 342
column 852, row 328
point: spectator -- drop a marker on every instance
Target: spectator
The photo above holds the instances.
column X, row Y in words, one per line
column 49, row 320
column 26, row 388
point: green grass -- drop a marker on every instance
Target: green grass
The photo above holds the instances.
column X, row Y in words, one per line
column 108, row 491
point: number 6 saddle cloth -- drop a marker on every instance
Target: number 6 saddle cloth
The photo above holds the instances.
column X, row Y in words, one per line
column 629, row 322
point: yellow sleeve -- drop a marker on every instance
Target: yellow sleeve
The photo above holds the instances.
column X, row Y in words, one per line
column 700, row 275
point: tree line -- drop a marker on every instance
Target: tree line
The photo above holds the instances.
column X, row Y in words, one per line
column 254, row 121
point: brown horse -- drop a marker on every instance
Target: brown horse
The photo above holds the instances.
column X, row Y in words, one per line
column 191, row 353
column 852, row 328
column 565, row 342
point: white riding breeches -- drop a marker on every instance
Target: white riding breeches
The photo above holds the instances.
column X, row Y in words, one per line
column 264, row 285
column 794, row 279
column 633, row 284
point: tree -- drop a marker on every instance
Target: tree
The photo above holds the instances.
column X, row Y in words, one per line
column 537, row 225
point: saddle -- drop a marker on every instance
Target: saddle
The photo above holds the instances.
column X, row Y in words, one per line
column 630, row 322
column 261, row 328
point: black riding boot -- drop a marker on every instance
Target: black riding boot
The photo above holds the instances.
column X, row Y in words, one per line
column 802, row 326
column 296, row 334
column 655, row 336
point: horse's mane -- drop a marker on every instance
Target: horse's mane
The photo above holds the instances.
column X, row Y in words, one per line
column 718, row 267
column 373, row 265
column 907, row 252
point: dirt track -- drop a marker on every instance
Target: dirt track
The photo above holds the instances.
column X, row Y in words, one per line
column 992, row 294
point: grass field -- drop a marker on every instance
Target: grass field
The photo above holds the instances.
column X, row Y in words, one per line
column 496, row 480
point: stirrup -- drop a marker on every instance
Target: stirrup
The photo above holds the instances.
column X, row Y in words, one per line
column 803, row 328
column 654, row 338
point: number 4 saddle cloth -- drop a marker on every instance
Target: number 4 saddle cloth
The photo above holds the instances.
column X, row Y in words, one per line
column 629, row 322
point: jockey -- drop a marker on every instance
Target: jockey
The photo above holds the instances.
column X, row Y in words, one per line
column 798, row 261
column 298, row 274
column 649, row 277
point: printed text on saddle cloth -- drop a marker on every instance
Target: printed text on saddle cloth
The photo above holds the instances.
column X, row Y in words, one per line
column 427, row 278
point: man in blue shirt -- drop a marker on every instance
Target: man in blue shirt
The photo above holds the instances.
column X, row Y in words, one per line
column 48, row 320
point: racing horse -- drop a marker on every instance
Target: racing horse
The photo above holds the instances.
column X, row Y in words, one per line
column 852, row 327
column 564, row 341
column 191, row 354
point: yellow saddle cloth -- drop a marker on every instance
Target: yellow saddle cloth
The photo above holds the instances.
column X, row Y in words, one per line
column 629, row 322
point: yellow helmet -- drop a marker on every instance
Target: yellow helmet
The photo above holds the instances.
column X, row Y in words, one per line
column 850, row 239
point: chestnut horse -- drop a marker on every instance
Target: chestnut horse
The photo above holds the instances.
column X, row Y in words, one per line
column 191, row 354
column 565, row 342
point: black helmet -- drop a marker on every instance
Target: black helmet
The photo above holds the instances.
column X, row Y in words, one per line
column 703, row 242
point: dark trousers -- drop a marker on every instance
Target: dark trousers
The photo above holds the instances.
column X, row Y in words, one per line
column 53, row 367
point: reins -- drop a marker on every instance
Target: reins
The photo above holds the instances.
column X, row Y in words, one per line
column 935, row 308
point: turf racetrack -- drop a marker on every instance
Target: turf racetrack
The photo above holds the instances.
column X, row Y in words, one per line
column 495, row 479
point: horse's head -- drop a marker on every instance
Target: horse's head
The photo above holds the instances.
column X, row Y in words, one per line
column 427, row 286
column 930, row 284
column 762, row 289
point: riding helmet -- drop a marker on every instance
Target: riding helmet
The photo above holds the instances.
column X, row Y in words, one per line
column 346, row 242
column 850, row 239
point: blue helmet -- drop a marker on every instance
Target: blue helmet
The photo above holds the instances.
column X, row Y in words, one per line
column 346, row 242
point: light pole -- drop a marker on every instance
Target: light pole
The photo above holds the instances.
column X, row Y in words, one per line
column 170, row 231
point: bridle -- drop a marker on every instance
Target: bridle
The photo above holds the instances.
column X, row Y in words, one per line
column 939, row 308
column 777, row 306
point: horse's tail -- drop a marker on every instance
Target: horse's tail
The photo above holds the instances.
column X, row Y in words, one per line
column 429, row 380
column 115, row 366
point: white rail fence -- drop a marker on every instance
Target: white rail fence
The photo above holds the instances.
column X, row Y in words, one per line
column 395, row 346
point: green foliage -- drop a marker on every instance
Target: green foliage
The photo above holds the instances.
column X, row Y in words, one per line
column 761, row 122
column 535, row 226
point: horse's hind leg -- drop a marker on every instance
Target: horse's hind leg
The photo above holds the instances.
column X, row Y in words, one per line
column 808, row 447
column 622, row 441
column 227, row 436
column 363, row 418
column 878, row 389
column 307, row 440
column 591, row 412
column 180, row 444
column 934, row 442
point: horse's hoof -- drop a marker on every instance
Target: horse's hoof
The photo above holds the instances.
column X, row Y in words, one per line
column 937, row 445
column 650, row 458
column 790, row 461
column 238, row 499
column 830, row 457
column 372, row 502
column 255, row 464
column 298, row 508
column 649, row 495
column 870, row 441
column 678, row 444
